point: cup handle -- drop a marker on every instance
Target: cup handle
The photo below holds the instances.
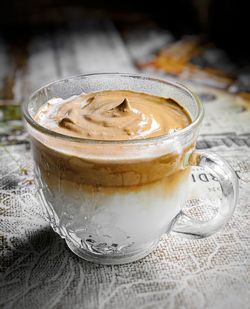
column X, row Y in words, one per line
column 187, row 226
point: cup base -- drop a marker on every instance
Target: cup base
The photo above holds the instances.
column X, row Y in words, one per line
column 111, row 260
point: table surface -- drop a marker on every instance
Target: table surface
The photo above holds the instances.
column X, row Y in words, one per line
column 37, row 270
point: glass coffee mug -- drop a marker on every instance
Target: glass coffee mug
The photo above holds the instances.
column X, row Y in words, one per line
column 113, row 200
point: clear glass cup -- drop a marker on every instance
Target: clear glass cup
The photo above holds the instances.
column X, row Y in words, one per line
column 112, row 200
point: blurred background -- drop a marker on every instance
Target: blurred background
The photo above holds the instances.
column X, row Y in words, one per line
column 222, row 21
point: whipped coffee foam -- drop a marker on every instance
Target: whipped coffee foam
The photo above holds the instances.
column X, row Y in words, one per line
column 113, row 115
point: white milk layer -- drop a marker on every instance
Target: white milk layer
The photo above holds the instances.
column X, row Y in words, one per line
column 116, row 222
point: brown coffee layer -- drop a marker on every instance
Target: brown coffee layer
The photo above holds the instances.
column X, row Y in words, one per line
column 167, row 185
column 106, row 174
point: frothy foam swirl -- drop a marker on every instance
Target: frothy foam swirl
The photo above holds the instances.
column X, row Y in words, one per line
column 113, row 115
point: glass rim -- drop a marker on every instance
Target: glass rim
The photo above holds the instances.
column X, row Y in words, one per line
column 30, row 120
